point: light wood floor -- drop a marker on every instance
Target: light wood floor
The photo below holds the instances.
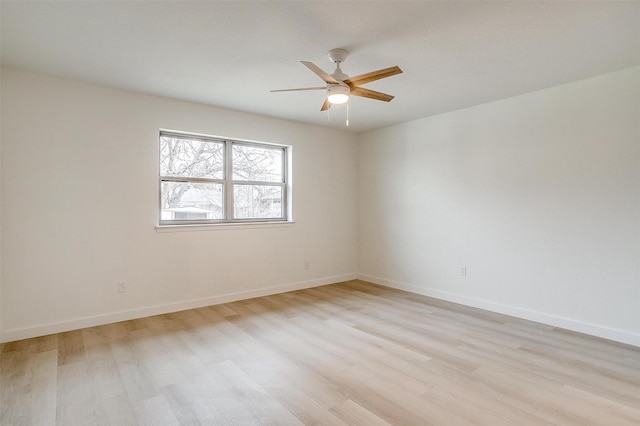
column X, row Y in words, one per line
column 351, row 353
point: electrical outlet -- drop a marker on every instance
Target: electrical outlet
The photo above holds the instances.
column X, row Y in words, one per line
column 463, row 271
column 307, row 264
column 122, row 287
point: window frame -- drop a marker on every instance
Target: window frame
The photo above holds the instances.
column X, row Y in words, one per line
column 227, row 181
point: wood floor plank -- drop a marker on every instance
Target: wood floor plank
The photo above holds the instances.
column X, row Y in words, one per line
column 304, row 408
column 356, row 415
column 135, row 376
column 155, row 411
column 115, row 411
column 70, row 347
column 76, row 401
column 604, row 409
column 45, row 377
column 351, row 353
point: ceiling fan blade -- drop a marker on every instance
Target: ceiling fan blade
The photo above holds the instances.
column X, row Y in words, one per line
column 371, row 94
column 372, row 76
column 326, row 105
column 302, row 88
column 323, row 75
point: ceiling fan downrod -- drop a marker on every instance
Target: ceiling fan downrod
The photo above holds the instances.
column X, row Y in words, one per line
column 337, row 56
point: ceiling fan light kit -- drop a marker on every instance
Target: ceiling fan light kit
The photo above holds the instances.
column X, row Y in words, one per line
column 339, row 86
column 338, row 93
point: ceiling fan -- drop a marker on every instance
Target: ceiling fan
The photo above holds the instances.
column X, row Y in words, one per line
column 339, row 86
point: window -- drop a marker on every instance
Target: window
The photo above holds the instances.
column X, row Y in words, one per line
column 210, row 180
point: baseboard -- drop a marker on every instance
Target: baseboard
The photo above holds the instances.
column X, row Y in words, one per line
column 616, row 335
column 92, row 321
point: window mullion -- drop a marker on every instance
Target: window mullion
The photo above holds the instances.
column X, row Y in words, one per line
column 228, row 176
column 258, row 182
column 189, row 179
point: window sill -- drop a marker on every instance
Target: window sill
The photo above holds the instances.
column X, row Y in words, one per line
column 222, row 226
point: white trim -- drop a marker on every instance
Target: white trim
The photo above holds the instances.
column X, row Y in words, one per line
column 75, row 324
column 617, row 335
column 223, row 226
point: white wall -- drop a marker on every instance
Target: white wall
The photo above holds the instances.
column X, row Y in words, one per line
column 79, row 186
column 537, row 195
column 1, row 109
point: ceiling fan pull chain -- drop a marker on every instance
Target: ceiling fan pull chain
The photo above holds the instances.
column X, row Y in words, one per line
column 347, row 113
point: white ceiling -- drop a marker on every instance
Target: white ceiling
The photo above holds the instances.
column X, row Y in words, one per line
column 230, row 54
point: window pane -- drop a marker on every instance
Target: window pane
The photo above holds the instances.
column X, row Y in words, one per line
column 194, row 158
column 257, row 163
column 257, row 202
column 192, row 201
